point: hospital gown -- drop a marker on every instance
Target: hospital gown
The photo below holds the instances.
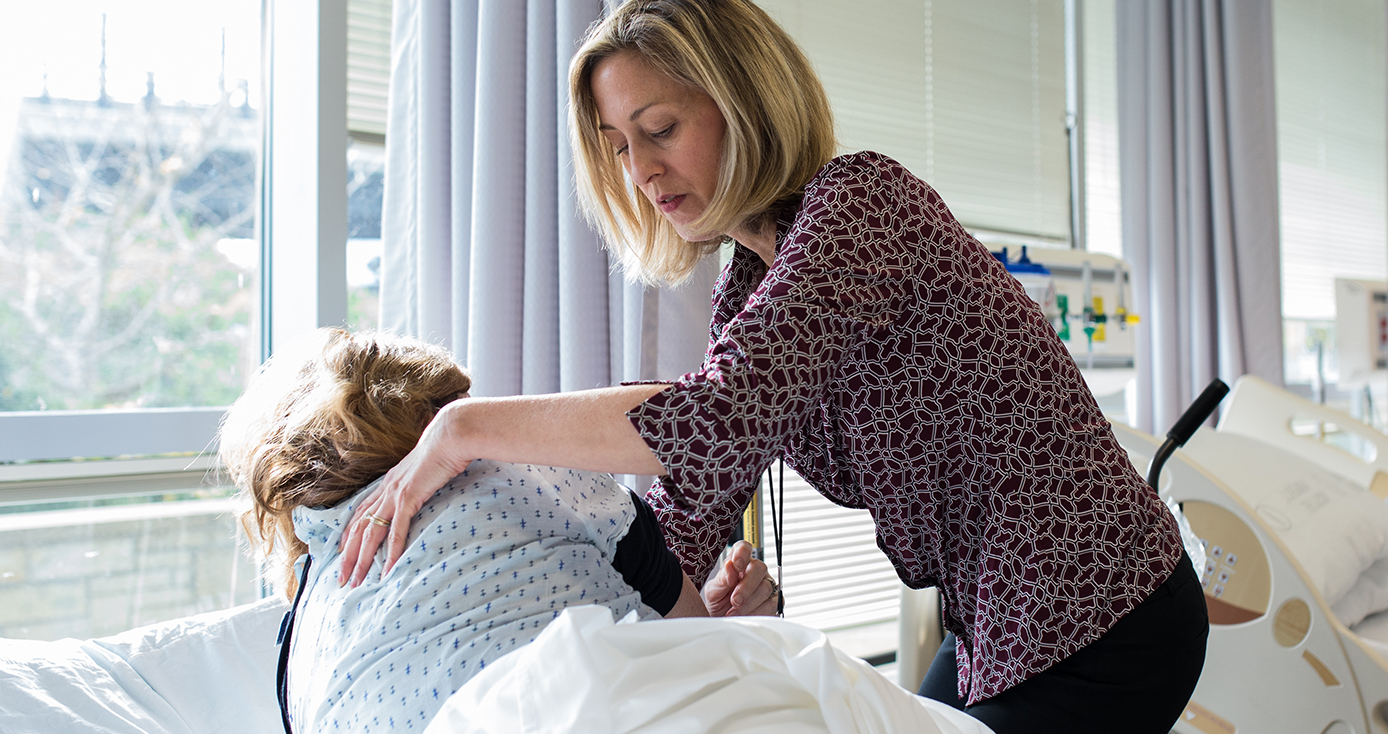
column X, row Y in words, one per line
column 492, row 558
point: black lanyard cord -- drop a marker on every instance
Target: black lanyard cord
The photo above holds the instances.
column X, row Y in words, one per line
column 286, row 632
column 776, row 519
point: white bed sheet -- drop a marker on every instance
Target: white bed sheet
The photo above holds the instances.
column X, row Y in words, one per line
column 209, row 673
column 745, row 676
column 214, row 673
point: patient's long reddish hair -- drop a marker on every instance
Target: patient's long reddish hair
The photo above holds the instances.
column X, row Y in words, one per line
column 325, row 419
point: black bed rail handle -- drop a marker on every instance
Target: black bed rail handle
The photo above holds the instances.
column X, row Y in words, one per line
column 1185, row 427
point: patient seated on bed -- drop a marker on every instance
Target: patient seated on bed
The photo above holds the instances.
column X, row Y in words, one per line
column 491, row 558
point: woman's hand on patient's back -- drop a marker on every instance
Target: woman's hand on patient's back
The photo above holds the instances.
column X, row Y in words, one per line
column 438, row 457
column 742, row 587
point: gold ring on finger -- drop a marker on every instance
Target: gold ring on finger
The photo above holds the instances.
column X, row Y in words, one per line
column 375, row 520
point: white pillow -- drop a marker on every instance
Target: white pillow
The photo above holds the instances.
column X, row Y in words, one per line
column 1374, row 628
column 1335, row 528
column 216, row 670
column 211, row 673
column 1368, row 595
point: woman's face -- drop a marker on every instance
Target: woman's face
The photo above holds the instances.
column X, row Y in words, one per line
column 669, row 137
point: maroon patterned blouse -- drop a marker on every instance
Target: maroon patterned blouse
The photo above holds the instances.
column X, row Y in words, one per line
column 898, row 367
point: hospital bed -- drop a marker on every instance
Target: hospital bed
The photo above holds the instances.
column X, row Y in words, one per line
column 1287, row 496
column 1289, row 521
column 215, row 673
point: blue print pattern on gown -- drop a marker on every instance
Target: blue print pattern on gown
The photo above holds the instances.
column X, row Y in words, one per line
column 492, row 558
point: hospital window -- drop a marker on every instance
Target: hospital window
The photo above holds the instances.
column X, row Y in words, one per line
column 1333, row 184
column 1333, row 180
column 135, row 295
column 1330, row 77
column 968, row 95
column 368, row 80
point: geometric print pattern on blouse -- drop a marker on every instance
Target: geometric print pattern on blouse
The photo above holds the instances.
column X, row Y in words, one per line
column 492, row 558
column 898, row 367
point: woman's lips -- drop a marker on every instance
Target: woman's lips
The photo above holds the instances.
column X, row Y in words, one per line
column 672, row 203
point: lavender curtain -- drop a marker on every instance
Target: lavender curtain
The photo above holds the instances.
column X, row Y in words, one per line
column 1198, row 152
column 485, row 250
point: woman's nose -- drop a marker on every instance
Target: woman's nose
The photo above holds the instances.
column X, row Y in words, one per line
column 643, row 164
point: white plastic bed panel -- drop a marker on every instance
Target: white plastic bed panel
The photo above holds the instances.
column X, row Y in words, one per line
column 1261, row 410
column 1275, row 662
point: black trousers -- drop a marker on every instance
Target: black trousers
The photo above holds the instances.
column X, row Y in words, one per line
column 1136, row 678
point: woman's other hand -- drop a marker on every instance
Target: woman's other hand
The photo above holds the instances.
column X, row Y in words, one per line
column 385, row 514
column 743, row 586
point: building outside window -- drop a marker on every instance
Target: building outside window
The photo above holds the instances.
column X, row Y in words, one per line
column 368, row 82
column 135, row 300
column 127, row 212
column 130, row 146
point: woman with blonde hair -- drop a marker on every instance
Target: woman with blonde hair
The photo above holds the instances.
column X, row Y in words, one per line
column 863, row 335
column 493, row 556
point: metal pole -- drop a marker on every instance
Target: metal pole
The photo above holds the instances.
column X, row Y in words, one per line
column 1074, row 118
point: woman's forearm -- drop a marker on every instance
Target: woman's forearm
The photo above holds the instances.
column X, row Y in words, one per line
column 587, row 429
column 579, row 430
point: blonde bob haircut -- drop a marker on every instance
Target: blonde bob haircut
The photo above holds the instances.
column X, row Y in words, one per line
column 780, row 128
column 324, row 419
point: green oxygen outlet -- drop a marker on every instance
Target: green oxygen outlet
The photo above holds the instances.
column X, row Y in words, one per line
column 1062, row 302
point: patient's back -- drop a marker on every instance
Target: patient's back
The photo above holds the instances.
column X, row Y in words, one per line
column 491, row 559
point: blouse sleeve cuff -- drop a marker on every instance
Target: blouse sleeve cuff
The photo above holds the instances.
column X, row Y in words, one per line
column 669, row 424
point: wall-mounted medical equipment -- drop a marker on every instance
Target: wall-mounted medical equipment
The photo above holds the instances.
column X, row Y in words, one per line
column 1086, row 296
column 1361, row 331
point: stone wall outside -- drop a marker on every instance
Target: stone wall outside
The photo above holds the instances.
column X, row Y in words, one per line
column 105, row 572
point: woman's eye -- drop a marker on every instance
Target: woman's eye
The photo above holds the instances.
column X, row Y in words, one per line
column 665, row 133
column 621, row 151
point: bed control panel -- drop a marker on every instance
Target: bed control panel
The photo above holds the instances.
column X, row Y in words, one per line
column 1236, row 577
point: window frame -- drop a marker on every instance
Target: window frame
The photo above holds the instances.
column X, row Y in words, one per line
column 51, row 482
column 302, row 171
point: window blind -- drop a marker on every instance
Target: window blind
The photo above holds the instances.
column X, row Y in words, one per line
column 968, row 94
column 1103, row 210
column 834, row 574
column 1330, row 148
column 368, row 67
